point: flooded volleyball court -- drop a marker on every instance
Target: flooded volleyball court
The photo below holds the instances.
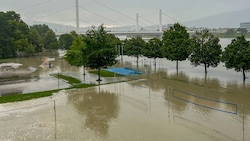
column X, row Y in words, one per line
column 160, row 104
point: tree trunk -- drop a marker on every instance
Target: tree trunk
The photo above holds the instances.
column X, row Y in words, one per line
column 205, row 68
column 137, row 61
column 177, row 67
column 99, row 75
column 83, row 73
column 83, row 70
column 155, row 63
column 244, row 75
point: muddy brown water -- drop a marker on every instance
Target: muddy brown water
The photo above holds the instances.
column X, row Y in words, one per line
column 160, row 104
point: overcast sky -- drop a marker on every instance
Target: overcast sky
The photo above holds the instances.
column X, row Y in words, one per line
column 117, row 12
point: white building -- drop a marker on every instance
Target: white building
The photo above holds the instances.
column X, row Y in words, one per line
column 245, row 25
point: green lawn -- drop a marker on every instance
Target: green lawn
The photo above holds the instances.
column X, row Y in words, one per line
column 105, row 73
column 21, row 97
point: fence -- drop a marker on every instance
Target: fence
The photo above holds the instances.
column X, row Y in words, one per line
column 214, row 105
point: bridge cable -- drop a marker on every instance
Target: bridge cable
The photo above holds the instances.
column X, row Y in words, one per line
column 33, row 5
column 97, row 14
column 55, row 12
column 133, row 19
column 170, row 17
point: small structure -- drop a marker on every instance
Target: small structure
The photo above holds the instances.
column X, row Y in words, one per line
column 13, row 69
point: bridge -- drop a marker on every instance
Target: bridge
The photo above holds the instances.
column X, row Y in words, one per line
column 144, row 34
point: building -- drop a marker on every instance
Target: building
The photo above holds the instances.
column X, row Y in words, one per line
column 245, row 25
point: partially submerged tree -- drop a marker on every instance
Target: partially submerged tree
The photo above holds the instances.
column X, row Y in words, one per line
column 50, row 41
column 133, row 47
column 76, row 54
column 65, row 41
column 176, row 44
column 153, row 49
column 206, row 50
column 101, row 49
column 237, row 55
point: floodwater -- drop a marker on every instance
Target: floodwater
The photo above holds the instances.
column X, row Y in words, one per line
column 160, row 105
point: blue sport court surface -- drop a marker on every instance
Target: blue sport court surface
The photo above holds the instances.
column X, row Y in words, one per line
column 124, row 71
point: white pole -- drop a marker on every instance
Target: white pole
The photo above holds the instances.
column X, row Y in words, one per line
column 160, row 16
column 137, row 21
column 77, row 16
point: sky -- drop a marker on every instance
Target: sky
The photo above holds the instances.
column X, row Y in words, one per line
column 117, row 12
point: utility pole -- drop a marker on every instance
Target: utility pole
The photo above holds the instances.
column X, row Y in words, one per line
column 160, row 26
column 77, row 16
column 137, row 22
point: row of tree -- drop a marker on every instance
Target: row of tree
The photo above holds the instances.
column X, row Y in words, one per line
column 97, row 49
column 17, row 38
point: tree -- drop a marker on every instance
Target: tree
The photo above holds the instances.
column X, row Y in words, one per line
column 230, row 32
column 76, row 54
column 236, row 55
column 133, row 47
column 41, row 29
column 101, row 49
column 13, row 34
column 35, row 40
column 206, row 50
column 50, row 41
column 65, row 41
column 176, row 44
column 153, row 49
column 242, row 31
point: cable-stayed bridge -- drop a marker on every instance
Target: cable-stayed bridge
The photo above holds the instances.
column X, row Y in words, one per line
column 136, row 30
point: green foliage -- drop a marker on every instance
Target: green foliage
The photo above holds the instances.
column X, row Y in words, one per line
column 13, row 34
column 96, row 50
column 50, row 41
column 35, row 40
column 65, row 41
column 76, row 55
column 206, row 50
column 41, row 29
column 101, row 48
column 134, row 46
column 176, row 43
column 153, row 48
column 237, row 55
column 16, row 38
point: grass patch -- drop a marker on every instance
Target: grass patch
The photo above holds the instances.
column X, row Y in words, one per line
column 82, row 86
column 105, row 73
column 69, row 79
column 22, row 97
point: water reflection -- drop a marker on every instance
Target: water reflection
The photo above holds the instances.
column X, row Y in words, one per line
column 98, row 107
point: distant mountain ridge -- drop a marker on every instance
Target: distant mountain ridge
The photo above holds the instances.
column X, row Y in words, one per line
column 224, row 20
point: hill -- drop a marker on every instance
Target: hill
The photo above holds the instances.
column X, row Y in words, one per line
column 228, row 20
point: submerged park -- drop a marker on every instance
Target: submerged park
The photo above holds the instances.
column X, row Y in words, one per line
column 175, row 89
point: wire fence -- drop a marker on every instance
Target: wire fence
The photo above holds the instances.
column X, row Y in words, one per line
column 234, row 110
